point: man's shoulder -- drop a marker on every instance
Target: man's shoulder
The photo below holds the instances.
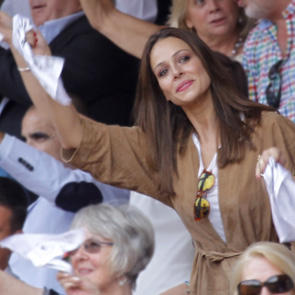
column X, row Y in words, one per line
column 256, row 34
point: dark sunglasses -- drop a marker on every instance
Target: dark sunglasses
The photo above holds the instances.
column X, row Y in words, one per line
column 273, row 96
column 91, row 246
column 202, row 205
column 276, row 284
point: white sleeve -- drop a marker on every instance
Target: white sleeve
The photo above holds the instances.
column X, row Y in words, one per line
column 143, row 9
column 46, row 176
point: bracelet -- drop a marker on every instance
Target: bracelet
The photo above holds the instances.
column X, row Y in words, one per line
column 27, row 69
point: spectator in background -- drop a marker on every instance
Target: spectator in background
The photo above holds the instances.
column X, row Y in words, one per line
column 94, row 67
column 220, row 24
column 61, row 190
column 118, row 245
column 269, row 54
column 143, row 9
column 13, row 211
column 265, row 268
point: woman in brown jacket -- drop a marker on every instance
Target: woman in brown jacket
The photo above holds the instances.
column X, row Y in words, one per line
column 194, row 148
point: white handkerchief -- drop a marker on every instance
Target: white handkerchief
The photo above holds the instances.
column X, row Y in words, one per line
column 44, row 250
column 47, row 69
column 281, row 190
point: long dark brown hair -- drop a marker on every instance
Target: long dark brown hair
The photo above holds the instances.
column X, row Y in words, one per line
column 167, row 126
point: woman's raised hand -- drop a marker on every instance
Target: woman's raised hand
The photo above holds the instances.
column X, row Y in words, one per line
column 38, row 43
column 263, row 159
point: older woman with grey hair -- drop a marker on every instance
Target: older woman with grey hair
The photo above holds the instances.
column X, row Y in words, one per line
column 119, row 244
column 265, row 268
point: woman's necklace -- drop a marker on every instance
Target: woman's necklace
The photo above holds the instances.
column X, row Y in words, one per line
column 237, row 46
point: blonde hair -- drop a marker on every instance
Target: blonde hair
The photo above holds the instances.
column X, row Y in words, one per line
column 277, row 254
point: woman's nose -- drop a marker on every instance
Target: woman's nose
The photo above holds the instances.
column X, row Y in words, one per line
column 177, row 72
column 213, row 5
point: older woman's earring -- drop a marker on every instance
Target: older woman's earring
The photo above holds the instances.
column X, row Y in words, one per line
column 122, row 281
column 240, row 20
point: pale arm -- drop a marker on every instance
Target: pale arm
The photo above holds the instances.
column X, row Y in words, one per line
column 127, row 32
column 64, row 118
column 12, row 286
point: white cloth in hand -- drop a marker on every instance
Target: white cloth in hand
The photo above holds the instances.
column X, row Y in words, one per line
column 47, row 69
column 281, row 190
column 47, row 249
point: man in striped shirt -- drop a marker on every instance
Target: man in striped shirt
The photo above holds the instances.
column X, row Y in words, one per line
column 269, row 54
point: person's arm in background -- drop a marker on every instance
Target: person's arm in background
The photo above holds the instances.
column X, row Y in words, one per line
column 12, row 286
column 128, row 32
column 47, row 177
column 143, row 9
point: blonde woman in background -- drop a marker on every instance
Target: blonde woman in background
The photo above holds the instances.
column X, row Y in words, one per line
column 265, row 268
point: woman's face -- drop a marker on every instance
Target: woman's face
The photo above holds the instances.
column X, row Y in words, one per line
column 94, row 266
column 261, row 269
column 180, row 73
column 212, row 18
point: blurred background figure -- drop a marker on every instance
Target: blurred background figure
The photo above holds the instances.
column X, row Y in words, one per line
column 94, row 67
column 13, row 211
column 265, row 268
column 61, row 191
column 221, row 24
column 269, row 54
column 119, row 245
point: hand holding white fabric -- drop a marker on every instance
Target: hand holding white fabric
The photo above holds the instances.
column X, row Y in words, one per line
column 44, row 250
column 47, row 69
column 281, row 190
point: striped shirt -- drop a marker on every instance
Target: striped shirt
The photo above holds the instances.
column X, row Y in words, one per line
column 262, row 51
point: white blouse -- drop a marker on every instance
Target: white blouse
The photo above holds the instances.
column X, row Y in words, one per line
column 212, row 194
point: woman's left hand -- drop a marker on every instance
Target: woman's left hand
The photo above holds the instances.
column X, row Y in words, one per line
column 263, row 159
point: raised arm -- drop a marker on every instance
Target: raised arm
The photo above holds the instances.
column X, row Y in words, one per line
column 13, row 286
column 64, row 118
column 127, row 32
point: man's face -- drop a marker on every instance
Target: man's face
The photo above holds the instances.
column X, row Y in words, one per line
column 45, row 10
column 259, row 9
column 5, row 231
column 40, row 134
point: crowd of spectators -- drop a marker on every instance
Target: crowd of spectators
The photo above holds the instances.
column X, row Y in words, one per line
column 116, row 58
